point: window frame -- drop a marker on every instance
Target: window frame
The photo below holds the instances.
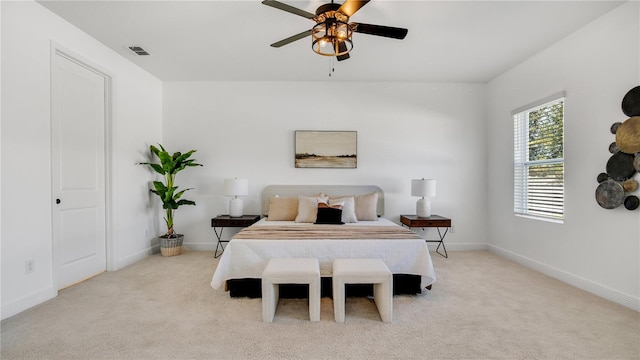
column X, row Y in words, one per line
column 522, row 163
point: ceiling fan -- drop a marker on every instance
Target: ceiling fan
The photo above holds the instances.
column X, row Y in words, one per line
column 332, row 33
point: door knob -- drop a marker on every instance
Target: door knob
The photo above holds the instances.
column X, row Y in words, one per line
column 58, row 201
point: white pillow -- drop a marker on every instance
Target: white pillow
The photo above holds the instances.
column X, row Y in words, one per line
column 308, row 209
column 348, row 208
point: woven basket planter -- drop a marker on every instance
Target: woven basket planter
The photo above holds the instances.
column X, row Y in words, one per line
column 171, row 246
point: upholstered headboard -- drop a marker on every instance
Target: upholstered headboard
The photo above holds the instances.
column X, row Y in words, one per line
column 331, row 190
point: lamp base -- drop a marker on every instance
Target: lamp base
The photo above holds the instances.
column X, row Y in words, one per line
column 235, row 207
column 423, row 208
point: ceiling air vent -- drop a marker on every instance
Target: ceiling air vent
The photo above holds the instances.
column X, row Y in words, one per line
column 138, row 50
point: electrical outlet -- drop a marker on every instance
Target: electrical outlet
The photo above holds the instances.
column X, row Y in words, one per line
column 29, row 266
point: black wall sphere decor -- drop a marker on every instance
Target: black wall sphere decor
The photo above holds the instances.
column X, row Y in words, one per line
column 615, row 186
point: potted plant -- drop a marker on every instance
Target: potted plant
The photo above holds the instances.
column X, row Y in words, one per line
column 167, row 191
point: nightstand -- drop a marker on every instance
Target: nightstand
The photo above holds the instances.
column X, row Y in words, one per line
column 435, row 221
column 220, row 222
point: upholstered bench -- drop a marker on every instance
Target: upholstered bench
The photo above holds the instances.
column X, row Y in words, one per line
column 363, row 271
column 290, row 271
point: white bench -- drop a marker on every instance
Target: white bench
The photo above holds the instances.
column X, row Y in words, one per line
column 290, row 271
column 363, row 271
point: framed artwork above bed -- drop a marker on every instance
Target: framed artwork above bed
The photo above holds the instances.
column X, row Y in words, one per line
column 326, row 149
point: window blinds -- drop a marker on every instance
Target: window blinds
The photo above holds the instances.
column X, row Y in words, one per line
column 539, row 160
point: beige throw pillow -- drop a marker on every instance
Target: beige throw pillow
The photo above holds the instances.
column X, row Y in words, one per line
column 308, row 208
column 282, row 208
column 366, row 207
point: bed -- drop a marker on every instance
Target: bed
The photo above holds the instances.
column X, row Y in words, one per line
column 278, row 235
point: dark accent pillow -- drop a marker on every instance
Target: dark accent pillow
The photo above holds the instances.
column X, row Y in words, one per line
column 329, row 214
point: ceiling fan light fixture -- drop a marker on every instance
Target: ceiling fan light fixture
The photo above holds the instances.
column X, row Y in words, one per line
column 332, row 37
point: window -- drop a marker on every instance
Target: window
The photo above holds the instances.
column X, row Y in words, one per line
column 539, row 159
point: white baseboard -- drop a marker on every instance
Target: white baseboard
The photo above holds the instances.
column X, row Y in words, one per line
column 134, row 258
column 201, row 246
column 569, row 278
column 27, row 302
column 458, row 246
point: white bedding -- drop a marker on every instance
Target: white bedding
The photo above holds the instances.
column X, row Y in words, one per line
column 246, row 258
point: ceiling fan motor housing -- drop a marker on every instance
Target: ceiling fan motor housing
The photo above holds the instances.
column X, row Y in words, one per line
column 326, row 8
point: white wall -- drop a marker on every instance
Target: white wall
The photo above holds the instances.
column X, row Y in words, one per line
column 595, row 249
column 27, row 32
column 405, row 131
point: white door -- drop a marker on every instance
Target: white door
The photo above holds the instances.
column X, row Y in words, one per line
column 79, row 115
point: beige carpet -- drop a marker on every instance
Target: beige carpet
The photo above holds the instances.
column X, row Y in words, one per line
column 482, row 307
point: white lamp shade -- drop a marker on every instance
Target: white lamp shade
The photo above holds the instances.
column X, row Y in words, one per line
column 423, row 187
column 236, row 187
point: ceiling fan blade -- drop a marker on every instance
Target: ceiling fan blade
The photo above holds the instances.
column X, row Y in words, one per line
column 351, row 6
column 291, row 39
column 342, row 47
column 288, row 8
column 379, row 30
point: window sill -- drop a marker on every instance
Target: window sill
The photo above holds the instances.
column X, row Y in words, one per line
column 533, row 217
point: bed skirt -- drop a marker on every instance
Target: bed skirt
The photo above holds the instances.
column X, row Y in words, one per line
column 403, row 284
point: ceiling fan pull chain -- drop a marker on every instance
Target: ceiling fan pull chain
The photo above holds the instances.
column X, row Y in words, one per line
column 332, row 70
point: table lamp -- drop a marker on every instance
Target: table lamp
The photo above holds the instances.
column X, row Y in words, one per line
column 236, row 187
column 423, row 188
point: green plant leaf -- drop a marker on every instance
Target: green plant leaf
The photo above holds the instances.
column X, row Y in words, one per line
column 154, row 150
column 179, row 158
column 158, row 169
column 186, row 202
column 159, row 186
column 178, row 195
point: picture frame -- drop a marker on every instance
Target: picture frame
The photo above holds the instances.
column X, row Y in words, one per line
column 326, row 149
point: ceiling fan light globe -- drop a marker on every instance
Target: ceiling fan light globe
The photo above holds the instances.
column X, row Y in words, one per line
column 342, row 29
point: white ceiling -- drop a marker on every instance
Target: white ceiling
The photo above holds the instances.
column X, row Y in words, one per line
column 465, row 41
